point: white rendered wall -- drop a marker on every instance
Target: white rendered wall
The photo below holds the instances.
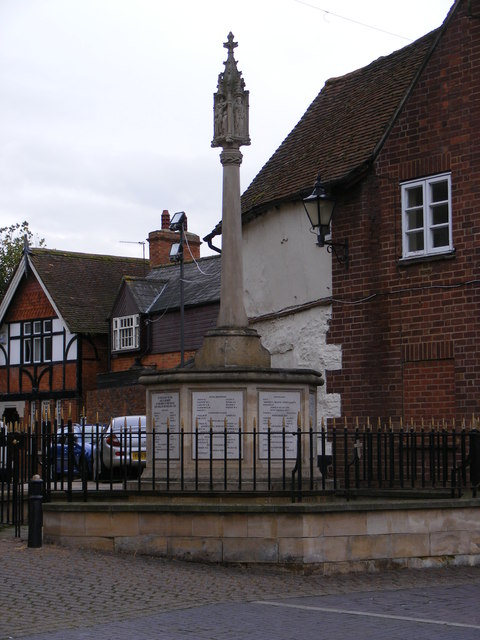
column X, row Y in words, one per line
column 282, row 265
column 298, row 341
column 284, row 269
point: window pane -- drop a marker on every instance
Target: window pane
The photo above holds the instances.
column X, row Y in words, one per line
column 415, row 197
column 440, row 214
column 415, row 242
column 439, row 191
column 125, row 332
column 47, row 326
column 440, row 237
column 37, row 326
column 27, row 351
column 415, row 219
column 27, row 328
column 37, row 349
column 47, row 349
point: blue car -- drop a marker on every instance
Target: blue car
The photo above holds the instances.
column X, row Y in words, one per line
column 83, row 448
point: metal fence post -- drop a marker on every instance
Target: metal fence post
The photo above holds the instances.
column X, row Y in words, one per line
column 35, row 512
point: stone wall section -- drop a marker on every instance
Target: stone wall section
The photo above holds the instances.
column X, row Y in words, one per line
column 328, row 538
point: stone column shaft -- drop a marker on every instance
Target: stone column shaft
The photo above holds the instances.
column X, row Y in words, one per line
column 232, row 308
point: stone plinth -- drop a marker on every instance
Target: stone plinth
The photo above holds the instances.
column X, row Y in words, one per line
column 331, row 537
column 232, row 348
column 208, row 420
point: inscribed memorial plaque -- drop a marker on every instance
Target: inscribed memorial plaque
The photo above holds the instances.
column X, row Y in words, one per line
column 278, row 408
column 222, row 411
column 166, row 411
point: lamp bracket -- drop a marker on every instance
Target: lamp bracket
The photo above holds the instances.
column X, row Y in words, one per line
column 339, row 250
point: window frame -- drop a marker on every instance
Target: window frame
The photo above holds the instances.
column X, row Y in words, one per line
column 427, row 209
column 122, row 326
column 37, row 341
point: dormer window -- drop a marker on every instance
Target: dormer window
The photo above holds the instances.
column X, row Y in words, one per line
column 126, row 333
column 427, row 217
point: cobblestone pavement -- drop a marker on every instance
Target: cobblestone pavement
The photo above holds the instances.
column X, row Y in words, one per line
column 56, row 593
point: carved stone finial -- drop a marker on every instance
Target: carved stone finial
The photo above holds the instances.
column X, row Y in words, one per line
column 230, row 44
column 230, row 104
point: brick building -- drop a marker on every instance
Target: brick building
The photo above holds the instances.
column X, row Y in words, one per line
column 145, row 321
column 396, row 145
column 77, row 330
column 54, row 328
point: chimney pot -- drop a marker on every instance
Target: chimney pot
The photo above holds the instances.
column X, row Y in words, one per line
column 165, row 219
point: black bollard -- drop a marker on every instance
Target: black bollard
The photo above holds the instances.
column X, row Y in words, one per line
column 35, row 512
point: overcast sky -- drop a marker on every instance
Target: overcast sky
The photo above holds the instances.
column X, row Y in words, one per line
column 106, row 105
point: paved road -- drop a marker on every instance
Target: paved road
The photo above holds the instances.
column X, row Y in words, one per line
column 54, row 593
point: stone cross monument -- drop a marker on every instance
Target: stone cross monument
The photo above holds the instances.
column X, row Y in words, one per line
column 232, row 385
column 232, row 343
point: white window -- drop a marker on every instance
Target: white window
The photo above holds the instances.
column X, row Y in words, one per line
column 37, row 349
column 37, row 341
column 126, row 332
column 427, row 216
column 45, row 409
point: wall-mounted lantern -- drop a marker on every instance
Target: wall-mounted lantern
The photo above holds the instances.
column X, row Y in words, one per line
column 319, row 207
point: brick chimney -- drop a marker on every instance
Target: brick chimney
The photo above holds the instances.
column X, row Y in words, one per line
column 161, row 242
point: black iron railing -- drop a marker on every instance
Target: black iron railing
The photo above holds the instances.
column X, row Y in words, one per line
column 82, row 460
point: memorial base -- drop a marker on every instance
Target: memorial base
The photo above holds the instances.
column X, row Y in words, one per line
column 199, row 421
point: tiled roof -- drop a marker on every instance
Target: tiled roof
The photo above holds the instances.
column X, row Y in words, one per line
column 84, row 286
column 341, row 130
column 144, row 291
column 201, row 284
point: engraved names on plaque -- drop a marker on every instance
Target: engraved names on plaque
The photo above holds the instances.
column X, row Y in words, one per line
column 218, row 415
column 166, row 412
column 278, row 409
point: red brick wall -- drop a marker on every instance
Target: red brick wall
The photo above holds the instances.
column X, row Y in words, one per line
column 385, row 312
column 160, row 243
column 429, row 390
column 120, row 401
column 30, row 302
column 160, row 360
